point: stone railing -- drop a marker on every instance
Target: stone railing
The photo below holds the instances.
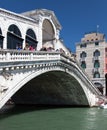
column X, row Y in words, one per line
column 15, row 55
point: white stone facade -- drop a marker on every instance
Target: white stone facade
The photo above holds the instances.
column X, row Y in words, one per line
column 43, row 25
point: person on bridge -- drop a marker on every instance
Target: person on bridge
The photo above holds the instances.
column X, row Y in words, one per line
column 19, row 47
column 31, row 48
column 26, row 46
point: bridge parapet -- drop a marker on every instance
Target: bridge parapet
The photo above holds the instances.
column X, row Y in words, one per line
column 15, row 55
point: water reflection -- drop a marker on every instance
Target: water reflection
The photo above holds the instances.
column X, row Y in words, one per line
column 95, row 119
column 51, row 118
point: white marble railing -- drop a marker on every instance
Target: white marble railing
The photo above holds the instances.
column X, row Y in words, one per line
column 15, row 55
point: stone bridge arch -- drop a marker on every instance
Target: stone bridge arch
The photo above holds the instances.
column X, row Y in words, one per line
column 52, row 88
column 70, row 87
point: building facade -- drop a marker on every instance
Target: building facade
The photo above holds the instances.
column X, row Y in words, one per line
column 91, row 54
column 39, row 28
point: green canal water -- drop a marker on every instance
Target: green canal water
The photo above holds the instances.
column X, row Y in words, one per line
column 46, row 118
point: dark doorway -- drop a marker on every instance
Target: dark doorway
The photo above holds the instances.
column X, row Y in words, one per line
column 99, row 87
column 106, row 84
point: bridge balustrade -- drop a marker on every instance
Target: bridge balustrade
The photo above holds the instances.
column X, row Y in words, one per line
column 15, row 55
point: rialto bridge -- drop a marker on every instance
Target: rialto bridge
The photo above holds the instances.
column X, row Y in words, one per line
column 40, row 77
column 44, row 78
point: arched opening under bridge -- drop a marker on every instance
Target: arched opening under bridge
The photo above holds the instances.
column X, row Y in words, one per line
column 52, row 88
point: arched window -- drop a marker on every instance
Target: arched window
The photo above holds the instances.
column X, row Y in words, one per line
column 14, row 37
column 83, row 64
column 31, row 38
column 96, row 64
column 48, row 34
column 99, row 86
column 83, row 54
column 1, row 39
column 96, row 75
column 96, row 53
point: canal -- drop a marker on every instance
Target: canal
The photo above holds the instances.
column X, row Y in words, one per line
column 51, row 118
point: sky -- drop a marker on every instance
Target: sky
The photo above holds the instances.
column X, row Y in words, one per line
column 76, row 17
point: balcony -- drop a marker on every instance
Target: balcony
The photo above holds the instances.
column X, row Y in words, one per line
column 82, row 59
column 95, row 70
column 95, row 58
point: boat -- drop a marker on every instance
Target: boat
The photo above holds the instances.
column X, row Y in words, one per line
column 103, row 106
